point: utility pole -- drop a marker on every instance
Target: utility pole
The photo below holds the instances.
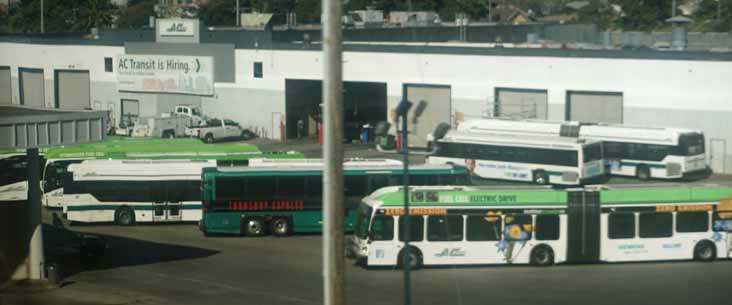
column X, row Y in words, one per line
column 43, row 27
column 238, row 15
column 673, row 8
column 35, row 253
column 333, row 245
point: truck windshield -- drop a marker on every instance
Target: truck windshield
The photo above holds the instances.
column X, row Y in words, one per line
column 195, row 111
column 592, row 152
column 691, row 144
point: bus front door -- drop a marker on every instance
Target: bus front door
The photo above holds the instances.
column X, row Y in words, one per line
column 167, row 211
column 583, row 236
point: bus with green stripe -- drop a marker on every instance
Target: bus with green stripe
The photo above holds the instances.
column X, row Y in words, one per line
column 528, row 158
column 127, row 192
column 282, row 197
column 117, row 148
column 463, row 225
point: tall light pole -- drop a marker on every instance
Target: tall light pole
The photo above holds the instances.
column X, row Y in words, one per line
column 238, row 15
column 333, row 245
column 43, row 27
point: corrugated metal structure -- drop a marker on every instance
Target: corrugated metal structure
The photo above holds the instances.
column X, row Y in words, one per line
column 24, row 127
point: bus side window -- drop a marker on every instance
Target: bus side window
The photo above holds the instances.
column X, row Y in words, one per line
column 445, row 228
column 261, row 187
column 377, row 181
column 356, row 186
column 692, row 221
column 230, row 188
column 547, row 227
column 621, row 225
column 288, row 186
column 418, row 180
column 416, row 228
column 382, row 228
column 482, row 228
column 653, row 225
column 314, row 186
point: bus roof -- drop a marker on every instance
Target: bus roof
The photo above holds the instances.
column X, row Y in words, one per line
column 262, row 162
column 516, row 140
column 191, row 149
column 466, row 196
column 139, row 169
column 663, row 193
column 634, row 134
column 350, row 167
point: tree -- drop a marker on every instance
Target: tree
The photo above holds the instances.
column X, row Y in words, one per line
column 644, row 15
column 218, row 13
column 96, row 13
column 137, row 14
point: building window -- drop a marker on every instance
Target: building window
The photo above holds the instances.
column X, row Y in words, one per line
column 258, row 69
column 108, row 65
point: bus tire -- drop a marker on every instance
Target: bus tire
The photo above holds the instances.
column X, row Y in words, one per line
column 705, row 251
column 642, row 172
column 414, row 260
column 209, row 138
column 253, row 226
column 542, row 256
column 124, row 216
column 540, row 177
column 169, row 134
column 280, row 227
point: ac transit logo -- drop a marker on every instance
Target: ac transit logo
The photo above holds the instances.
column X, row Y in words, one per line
column 451, row 252
column 177, row 27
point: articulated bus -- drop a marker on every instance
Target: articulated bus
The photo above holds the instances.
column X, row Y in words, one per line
column 282, row 197
column 531, row 225
column 58, row 159
column 639, row 151
column 132, row 191
column 541, row 160
column 13, row 176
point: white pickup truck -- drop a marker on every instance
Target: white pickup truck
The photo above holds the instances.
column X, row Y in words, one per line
column 216, row 129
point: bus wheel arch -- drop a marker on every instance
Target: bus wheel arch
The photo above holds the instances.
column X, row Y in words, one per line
column 124, row 216
column 542, row 255
column 540, row 177
column 643, row 172
column 253, row 226
column 209, row 138
column 415, row 260
column 281, row 226
column 705, row 251
column 169, row 134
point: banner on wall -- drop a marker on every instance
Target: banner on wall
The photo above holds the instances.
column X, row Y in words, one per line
column 167, row 74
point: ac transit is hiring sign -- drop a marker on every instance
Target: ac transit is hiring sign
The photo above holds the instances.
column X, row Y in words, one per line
column 177, row 27
column 172, row 74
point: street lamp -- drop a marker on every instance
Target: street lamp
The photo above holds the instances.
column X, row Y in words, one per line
column 381, row 131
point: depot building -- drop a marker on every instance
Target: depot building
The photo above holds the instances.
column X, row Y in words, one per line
column 265, row 83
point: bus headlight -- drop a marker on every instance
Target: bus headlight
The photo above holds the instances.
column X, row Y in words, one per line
column 570, row 176
column 673, row 169
column 364, row 251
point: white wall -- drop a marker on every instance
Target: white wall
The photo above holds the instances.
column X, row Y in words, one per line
column 656, row 92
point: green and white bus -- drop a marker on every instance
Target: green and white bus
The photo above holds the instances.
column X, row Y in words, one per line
column 488, row 225
column 541, row 160
column 282, row 197
column 127, row 192
column 59, row 158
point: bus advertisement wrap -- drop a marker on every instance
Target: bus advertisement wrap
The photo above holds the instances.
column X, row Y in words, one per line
column 170, row 74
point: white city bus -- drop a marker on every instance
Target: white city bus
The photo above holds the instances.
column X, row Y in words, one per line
column 457, row 225
column 131, row 191
column 542, row 160
column 640, row 151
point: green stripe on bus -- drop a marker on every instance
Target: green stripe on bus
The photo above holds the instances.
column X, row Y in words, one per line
column 463, row 198
column 97, row 207
column 650, row 165
column 666, row 194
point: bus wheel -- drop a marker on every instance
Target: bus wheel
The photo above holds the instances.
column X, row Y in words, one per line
column 124, row 216
column 540, row 177
column 705, row 251
column 253, row 227
column 209, row 138
column 280, row 227
column 414, row 260
column 642, row 172
column 169, row 134
column 542, row 256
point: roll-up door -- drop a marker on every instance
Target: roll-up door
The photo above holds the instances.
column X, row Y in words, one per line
column 595, row 107
column 520, row 103
column 438, row 110
column 72, row 89
column 32, row 89
column 6, row 94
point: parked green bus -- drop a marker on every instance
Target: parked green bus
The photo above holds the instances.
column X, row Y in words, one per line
column 285, row 196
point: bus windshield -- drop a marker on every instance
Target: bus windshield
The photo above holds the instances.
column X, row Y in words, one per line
column 362, row 221
column 691, row 144
column 592, row 152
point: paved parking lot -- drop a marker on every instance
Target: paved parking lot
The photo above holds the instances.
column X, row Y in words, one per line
column 175, row 264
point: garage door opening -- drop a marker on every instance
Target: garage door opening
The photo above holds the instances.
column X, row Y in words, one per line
column 363, row 103
column 594, row 107
column 519, row 103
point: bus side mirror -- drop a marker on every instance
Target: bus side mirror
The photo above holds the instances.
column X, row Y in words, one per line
column 440, row 131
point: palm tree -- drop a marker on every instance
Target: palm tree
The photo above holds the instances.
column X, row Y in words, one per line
column 95, row 14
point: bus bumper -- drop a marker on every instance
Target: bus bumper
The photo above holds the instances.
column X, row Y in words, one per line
column 697, row 174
